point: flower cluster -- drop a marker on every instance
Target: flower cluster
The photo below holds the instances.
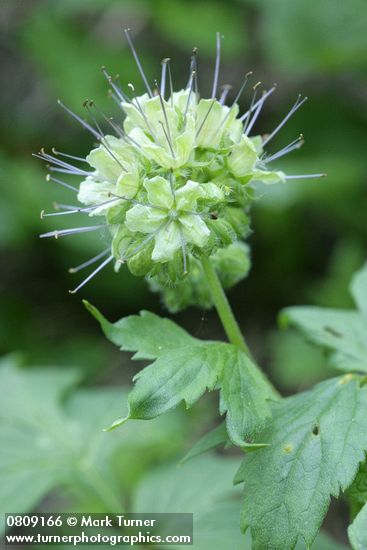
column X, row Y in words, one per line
column 175, row 182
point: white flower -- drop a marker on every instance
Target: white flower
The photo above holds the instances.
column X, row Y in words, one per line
column 175, row 177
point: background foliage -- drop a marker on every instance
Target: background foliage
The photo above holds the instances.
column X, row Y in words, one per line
column 309, row 236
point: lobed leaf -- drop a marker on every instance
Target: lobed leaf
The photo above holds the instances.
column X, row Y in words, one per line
column 147, row 334
column 244, row 396
column 317, row 440
column 357, row 531
column 342, row 333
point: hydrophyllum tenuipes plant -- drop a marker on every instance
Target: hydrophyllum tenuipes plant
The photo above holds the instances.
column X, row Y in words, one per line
column 172, row 188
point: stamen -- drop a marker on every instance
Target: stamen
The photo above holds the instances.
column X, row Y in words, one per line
column 80, row 120
column 101, row 266
column 183, row 248
column 134, row 201
column 144, row 242
column 137, row 61
column 296, row 144
column 170, row 80
column 168, row 139
column 63, row 183
column 225, row 90
column 64, row 232
column 255, row 88
column 206, row 117
column 296, row 106
column 102, row 138
column 81, row 159
column 256, row 114
column 89, row 262
column 189, row 97
column 217, row 66
column 168, row 135
column 68, row 168
column 119, row 93
column 255, row 105
column 247, row 76
column 305, row 176
column 193, row 67
column 163, row 76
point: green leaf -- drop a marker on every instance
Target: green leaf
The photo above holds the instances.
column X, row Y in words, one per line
column 357, row 531
column 358, row 289
column 317, row 440
column 358, row 490
column 184, row 369
column 51, row 439
column 151, row 336
column 342, row 333
column 244, row 394
column 182, row 374
column 202, row 486
column 216, row 437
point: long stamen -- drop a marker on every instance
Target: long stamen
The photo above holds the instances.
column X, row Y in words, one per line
column 89, row 262
column 141, row 111
column 255, row 88
column 70, row 168
column 305, row 176
column 79, row 119
column 192, row 68
column 255, row 115
column 144, row 242
column 217, row 66
column 183, row 248
column 101, row 266
column 225, row 90
column 296, row 144
column 167, row 139
column 134, row 201
column 295, row 107
column 66, row 155
column 137, row 61
column 102, row 138
column 189, row 97
column 63, row 183
column 255, row 105
column 170, row 80
column 119, row 93
column 236, row 99
column 164, row 76
column 69, row 209
column 64, row 232
column 206, row 117
column 168, row 135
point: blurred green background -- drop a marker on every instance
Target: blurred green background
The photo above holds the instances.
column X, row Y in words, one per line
column 308, row 236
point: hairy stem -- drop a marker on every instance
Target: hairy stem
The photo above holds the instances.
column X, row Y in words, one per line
column 227, row 317
column 223, row 308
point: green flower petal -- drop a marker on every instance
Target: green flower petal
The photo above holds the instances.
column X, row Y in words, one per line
column 127, row 185
column 268, row 177
column 159, row 192
column 187, row 196
column 167, row 241
column 144, row 218
column 243, row 158
column 194, row 229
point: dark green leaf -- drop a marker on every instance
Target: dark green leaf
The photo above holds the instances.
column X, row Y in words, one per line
column 317, row 440
column 358, row 289
column 357, row 532
column 216, row 437
column 147, row 334
column 182, row 374
column 244, row 394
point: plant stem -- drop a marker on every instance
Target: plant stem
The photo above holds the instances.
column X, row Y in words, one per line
column 227, row 318
column 223, row 308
